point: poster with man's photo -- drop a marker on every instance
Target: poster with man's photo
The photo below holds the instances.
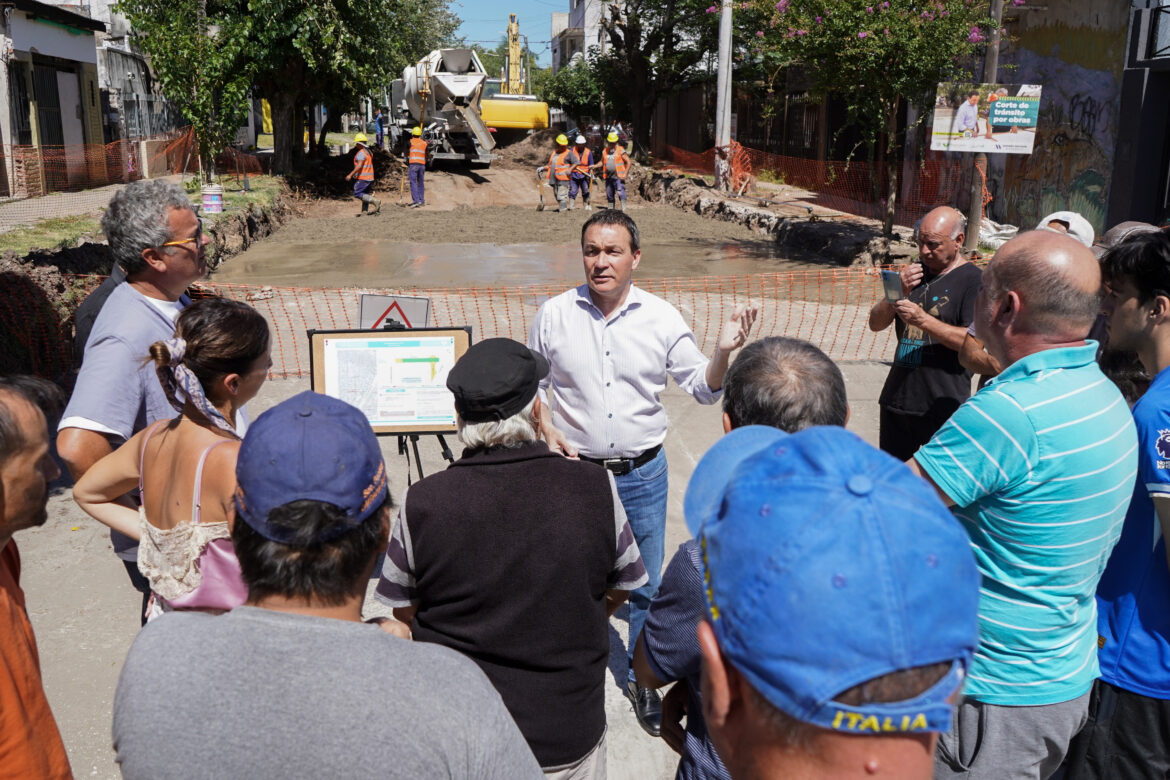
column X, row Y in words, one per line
column 991, row 118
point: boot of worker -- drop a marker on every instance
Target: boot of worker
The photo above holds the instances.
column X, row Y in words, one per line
column 365, row 205
column 377, row 204
column 621, row 204
column 588, row 207
column 563, row 205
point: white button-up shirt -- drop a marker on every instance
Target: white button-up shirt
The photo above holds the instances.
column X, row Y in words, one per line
column 605, row 377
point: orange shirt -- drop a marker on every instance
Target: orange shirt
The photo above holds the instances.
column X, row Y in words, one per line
column 366, row 160
column 30, row 744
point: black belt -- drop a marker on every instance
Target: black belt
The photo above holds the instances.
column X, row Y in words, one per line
column 620, row 466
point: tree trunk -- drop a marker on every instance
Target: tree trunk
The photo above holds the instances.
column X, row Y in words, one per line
column 283, row 111
column 891, row 171
column 641, row 118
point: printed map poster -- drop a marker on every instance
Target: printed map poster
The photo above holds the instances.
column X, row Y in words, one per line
column 990, row 118
column 397, row 378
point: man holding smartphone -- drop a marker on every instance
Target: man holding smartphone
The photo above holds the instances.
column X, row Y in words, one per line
column 926, row 383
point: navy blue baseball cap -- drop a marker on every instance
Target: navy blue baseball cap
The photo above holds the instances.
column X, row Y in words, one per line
column 828, row 563
column 310, row 447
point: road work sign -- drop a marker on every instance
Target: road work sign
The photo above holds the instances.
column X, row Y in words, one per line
column 378, row 311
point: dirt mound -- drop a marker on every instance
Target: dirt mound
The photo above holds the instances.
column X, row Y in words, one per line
column 325, row 178
column 529, row 153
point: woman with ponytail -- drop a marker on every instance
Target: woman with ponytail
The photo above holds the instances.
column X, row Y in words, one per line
column 185, row 466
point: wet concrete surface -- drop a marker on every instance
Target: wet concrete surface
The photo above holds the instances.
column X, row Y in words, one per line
column 430, row 266
column 498, row 246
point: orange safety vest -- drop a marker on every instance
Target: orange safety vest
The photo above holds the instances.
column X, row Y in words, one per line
column 558, row 166
column 366, row 160
column 585, row 159
column 619, row 161
column 418, row 151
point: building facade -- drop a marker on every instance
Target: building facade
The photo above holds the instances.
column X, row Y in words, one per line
column 50, row 105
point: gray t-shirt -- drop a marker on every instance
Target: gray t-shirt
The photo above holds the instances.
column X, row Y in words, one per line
column 257, row 693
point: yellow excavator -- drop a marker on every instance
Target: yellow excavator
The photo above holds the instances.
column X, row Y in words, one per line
column 506, row 106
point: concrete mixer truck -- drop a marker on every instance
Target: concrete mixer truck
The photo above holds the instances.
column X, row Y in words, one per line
column 441, row 93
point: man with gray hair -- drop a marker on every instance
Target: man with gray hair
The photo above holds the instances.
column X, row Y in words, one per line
column 157, row 239
column 1039, row 466
column 483, row 562
column 926, row 383
column 780, row 382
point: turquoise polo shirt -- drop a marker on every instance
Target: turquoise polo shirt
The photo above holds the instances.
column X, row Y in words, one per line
column 1040, row 464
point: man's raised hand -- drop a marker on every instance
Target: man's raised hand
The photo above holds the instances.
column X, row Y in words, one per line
column 736, row 330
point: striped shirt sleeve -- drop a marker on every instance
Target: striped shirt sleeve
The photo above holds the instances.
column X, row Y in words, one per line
column 672, row 645
column 986, row 445
column 397, row 586
column 628, row 570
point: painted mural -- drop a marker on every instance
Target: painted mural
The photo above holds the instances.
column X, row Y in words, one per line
column 1079, row 61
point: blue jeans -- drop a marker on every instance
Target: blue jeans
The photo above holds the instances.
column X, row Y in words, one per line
column 417, row 188
column 579, row 183
column 643, row 493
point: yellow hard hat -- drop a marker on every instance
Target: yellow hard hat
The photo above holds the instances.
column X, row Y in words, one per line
column 416, row 131
column 360, row 138
column 562, row 140
column 612, row 138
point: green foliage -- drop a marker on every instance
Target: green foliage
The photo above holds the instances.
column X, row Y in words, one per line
column 335, row 52
column 574, row 88
column 199, row 53
column 538, row 78
column 655, row 47
column 492, row 59
column 872, row 53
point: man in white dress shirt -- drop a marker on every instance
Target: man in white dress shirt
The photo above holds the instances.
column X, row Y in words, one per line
column 610, row 347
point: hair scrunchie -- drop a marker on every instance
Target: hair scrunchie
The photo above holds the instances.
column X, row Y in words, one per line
column 188, row 387
column 176, row 348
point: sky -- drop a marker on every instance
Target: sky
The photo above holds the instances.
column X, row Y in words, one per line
column 486, row 21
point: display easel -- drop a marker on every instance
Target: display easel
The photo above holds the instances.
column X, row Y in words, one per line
column 408, row 433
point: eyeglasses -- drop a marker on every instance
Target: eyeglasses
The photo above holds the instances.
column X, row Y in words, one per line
column 197, row 238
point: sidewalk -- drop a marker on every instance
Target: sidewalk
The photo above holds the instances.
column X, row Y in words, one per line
column 27, row 211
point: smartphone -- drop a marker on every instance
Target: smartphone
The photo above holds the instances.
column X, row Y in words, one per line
column 892, row 286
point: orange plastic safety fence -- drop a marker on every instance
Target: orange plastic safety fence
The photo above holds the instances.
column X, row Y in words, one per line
column 33, row 171
column 854, row 187
column 828, row 307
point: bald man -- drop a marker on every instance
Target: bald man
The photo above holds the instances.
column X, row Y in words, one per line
column 926, row 383
column 1040, row 466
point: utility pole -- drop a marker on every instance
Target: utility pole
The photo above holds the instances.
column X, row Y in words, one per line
column 990, row 72
column 723, row 101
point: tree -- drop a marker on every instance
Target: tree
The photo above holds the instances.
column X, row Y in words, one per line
column 199, row 56
column 656, row 47
column 874, row 54
column 575, row 89
column 492, row 59
column 305, row 51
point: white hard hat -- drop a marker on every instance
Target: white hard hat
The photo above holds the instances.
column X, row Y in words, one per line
column 580, row 139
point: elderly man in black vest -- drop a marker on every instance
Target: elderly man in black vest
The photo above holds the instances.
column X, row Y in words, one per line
column 484, row 561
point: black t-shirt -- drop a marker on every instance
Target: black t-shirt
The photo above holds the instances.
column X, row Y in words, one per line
column 926, row 376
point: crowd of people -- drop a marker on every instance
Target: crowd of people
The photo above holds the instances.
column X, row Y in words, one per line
column 983, row 596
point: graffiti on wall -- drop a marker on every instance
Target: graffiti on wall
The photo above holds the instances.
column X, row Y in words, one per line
column 1071, row 164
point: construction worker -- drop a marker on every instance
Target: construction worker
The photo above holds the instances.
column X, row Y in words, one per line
column 417, row 167
column 363, row 170
column 582, row 174
column 616, row 164
column 560, row 166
